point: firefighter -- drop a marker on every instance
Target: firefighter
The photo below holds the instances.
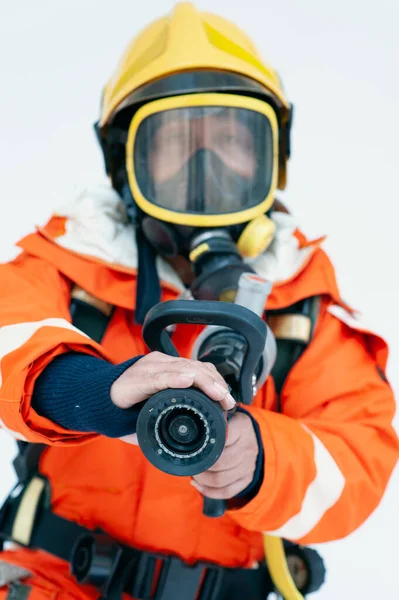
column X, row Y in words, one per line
column 195, row 131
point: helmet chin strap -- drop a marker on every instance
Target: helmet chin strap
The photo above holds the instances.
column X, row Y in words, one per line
column 148, row 285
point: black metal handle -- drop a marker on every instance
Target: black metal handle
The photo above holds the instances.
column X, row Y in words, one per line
column 214, row 508
column 206, row 312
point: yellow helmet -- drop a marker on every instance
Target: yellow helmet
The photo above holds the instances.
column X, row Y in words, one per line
column 191, row 41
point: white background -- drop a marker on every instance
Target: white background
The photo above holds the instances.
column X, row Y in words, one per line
column 339, row 61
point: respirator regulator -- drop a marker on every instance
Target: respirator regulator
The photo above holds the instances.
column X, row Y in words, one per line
column 217, row 264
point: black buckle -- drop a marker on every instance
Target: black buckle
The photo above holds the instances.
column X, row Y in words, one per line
column 95, row 559
column 4, row 514
column 141, row 579
column 7, row 512
column 212, row 582
column 176, row 580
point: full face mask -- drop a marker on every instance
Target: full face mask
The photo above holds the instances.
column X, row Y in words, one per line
column 202, row 169
column 203, row 160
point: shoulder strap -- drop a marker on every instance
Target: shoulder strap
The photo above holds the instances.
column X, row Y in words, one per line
column 90, row 314
column 293, row 329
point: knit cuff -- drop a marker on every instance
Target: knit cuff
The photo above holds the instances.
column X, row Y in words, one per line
column 74, row 392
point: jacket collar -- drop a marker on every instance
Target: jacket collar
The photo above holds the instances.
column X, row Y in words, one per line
column 95, row 226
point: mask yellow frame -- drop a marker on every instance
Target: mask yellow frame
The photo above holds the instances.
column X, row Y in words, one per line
column 195, row 100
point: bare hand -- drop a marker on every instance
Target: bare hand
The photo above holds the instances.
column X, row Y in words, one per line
column 156, row 372
column 235, row 469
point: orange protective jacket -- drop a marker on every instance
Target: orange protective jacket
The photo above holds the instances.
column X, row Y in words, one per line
column 328, row 456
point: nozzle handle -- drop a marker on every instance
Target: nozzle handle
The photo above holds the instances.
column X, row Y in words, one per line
column 207, row 312
column 214, row 508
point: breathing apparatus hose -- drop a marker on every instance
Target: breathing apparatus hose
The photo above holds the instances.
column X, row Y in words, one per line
column 278, row 568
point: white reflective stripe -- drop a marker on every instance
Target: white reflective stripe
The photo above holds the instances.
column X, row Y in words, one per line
column 350, row 319
column 14, row 336
column 324, row 491
column 14, row 434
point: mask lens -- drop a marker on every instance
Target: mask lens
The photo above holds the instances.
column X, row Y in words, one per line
column 204, row 160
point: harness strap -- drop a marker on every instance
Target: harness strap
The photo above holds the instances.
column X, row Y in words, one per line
column 90, row 314
column 113, row 567
column 293, row 328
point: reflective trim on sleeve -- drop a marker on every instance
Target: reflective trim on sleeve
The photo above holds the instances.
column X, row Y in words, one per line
column 15, row 336
column 14, row 434
column 322, row 494
column 351, row 319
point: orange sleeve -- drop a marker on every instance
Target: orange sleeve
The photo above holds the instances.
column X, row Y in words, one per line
column 329, row 456
column 35, row 326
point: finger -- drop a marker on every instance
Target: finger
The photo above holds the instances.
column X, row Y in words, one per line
column 150, row 363
column 209, row 366
column 145, row 385
column 235, row 429
column 151, row 367
column 150, row 384
column 221, row 479
column 206, row 373
column 226, row 492
column 230, row 458
column 156, row 358
column 214, row 387
column 205, row 370
column 139, row 383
